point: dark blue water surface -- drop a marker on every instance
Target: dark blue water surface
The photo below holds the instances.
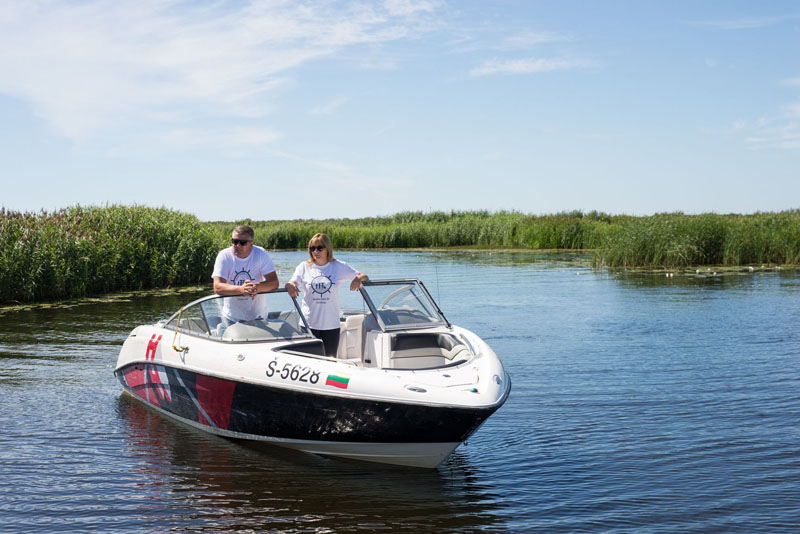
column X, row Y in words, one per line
column 640, row 403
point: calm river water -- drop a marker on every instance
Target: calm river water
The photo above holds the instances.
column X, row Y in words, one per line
column 640, row 404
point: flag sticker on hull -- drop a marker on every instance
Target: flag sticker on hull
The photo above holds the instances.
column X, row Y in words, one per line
column 337, row 381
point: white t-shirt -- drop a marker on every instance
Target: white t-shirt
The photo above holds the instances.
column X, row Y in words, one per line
column 237, row 271
column 320, row 285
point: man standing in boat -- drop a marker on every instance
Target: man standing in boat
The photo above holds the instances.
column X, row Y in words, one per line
column 243, row 270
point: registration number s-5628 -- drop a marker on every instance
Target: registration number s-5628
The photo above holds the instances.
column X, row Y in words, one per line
column 295, row 373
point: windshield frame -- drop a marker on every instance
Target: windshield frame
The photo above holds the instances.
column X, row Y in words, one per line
column 442, row 320
column 197, row 305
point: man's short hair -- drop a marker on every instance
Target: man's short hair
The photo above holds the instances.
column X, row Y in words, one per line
column 243, row 229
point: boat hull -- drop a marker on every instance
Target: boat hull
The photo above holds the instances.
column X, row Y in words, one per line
column 400, row 433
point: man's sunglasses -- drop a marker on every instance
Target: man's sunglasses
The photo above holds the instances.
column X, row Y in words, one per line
column 318, row 248
column 242, row 242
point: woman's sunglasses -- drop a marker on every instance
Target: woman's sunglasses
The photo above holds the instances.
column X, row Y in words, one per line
column 242, row 242
column 318, row 248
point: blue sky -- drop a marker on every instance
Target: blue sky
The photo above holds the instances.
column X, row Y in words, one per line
column 287, row 109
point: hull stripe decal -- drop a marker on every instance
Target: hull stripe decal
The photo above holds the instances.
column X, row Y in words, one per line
column 194, row 400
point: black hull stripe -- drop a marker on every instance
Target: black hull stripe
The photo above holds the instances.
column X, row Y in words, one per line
column 200, row 408
column 258, row 410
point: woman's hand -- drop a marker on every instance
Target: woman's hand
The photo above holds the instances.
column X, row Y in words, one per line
column 357, row 281
column 292, row 289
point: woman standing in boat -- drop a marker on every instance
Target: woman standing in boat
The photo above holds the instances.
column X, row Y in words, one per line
column 320, row 277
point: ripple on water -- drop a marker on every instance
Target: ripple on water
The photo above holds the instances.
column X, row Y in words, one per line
column 636, row 406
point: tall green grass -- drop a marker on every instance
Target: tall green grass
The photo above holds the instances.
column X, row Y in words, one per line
column 667, row 240
column 677, row 240
column 476, row 229
column 83, row 251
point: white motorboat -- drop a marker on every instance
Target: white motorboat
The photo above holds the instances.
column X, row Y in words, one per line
column 406, row 388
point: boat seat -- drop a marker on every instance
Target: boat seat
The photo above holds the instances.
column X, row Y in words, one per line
column 260, row 329
column 351, row 341
column 242, row 330
column 423, row 350
column 293, row 322
column 369, row 324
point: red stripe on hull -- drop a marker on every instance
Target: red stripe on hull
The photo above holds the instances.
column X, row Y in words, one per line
column 135, row 377
column 216, row 397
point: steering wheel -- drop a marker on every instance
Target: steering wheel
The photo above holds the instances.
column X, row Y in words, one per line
column 394, row 293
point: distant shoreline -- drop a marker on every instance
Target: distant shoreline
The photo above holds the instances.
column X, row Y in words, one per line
column 85, row 251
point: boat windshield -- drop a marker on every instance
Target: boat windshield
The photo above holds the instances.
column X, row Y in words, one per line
column 402, row 304
column 270, row 316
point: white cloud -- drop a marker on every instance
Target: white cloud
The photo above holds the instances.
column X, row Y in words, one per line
column 231, row 140
column 529, row 40
column 529, row 66
column 780, row 132
column 253, row 137
column 467, row 41
column 92, row 67
column 793, row 110
column 785, row 136
column 329, row 107
column 409, row 7
column 738, row 125
column 345, row 176
column 745, row 23
column 738, row 24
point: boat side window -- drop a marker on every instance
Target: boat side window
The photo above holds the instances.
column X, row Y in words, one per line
column 212, row 311
column 191, row 320
column 277, row 317
column 281, row 319
column 194, row 321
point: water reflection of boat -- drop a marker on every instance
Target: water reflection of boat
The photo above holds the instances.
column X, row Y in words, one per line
column 406, row 389
column 217, row 484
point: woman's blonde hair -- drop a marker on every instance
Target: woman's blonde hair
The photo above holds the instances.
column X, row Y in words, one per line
column 321, row 239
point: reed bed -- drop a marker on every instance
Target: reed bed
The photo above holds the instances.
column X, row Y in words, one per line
column 676, row 240
column 670, row 240
column 82, row 251
column 474, row 229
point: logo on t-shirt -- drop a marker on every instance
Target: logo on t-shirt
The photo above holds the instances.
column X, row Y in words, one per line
column 321, row 284
column 241, row 277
